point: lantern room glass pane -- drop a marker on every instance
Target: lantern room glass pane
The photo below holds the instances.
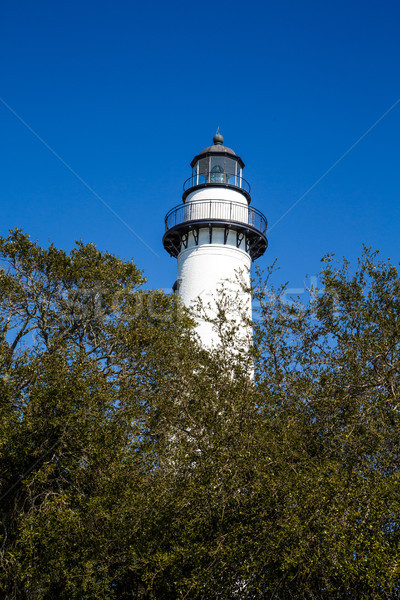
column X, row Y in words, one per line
column 217, row 174
column 230, row 170
column 217, row 170
column 204, row 166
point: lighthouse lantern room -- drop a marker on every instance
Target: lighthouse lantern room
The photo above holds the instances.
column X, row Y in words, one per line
column 215, row 234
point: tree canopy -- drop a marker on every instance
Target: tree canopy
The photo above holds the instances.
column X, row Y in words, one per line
column 135, row 464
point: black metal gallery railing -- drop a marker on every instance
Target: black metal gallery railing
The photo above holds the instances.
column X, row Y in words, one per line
column 224, row 211
column 226, row 179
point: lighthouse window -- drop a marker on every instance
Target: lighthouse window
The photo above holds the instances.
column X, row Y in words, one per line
column 217, row 174
column 203, row 166
column 217, row 162
column 231, row 170
column 202, row 170
column 176, row 286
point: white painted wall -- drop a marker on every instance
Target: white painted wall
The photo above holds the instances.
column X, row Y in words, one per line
column 217, row 193
column 206, row 268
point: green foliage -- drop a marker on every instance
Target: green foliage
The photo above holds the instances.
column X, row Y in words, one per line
column 136, row 465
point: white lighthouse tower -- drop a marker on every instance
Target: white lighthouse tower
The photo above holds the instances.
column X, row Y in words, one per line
column 215, row 234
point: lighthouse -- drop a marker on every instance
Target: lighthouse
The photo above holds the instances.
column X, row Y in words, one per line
column 215, row 234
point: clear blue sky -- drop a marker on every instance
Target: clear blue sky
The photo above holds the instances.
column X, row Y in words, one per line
column 126, row 93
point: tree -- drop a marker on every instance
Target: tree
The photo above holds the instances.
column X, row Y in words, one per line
column 134, row 464
column 79, row 347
